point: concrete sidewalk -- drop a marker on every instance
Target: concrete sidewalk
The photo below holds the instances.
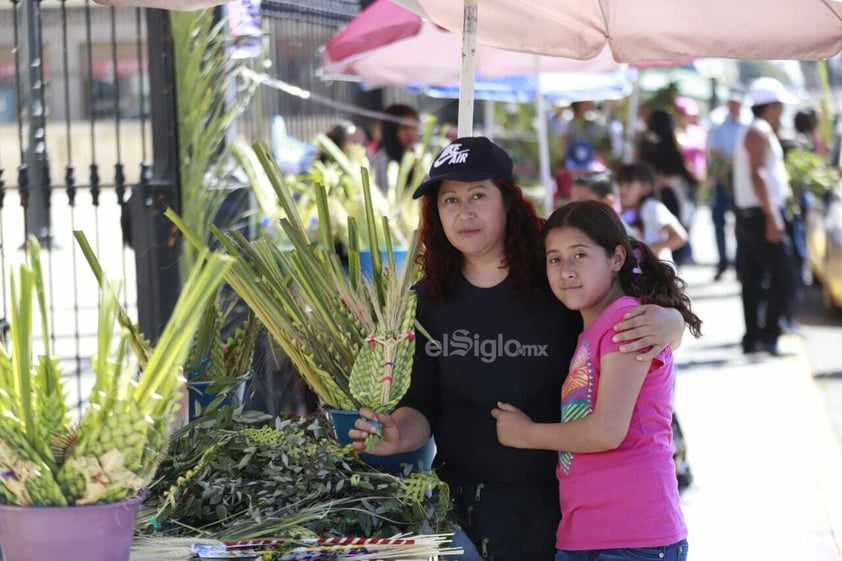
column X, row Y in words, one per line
column 767, row 467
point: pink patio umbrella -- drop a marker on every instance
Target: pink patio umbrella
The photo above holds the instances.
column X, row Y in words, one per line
column 651, row 30
column 638, row 32
column 387, row 44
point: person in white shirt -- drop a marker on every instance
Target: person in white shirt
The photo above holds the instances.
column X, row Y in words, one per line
column 760, row 192
column 652, row 220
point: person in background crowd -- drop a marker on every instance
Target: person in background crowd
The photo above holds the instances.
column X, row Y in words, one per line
column 582, row 124
column 836, row 144
column 396, row 137
column 806, row 123
column 650, row 218
column 807, row 139
column 344, row 134
column 496, row 335
column 595, row 186
column 691, row 137
column 760, row 192
column 676, row 186
column 616, row 476
column 579, row 159
column 721, row 142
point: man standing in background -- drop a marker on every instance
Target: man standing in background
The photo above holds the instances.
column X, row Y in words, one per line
column 760, row 192
column 721, row 142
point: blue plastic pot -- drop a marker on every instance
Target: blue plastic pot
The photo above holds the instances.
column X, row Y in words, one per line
column 200, row 397
column 420, row 460
column 367, row 267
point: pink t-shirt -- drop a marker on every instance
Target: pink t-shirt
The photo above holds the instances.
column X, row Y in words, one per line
column 626, row 497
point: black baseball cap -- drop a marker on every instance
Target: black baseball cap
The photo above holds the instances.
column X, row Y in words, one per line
column 470, row 158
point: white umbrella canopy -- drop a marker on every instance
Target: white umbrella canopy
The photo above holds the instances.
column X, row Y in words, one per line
column 652, row 30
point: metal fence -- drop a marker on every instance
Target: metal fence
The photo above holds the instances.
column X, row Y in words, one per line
column 88, row 142
column 75, row 135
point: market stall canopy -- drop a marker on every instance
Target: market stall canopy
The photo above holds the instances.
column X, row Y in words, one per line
column 652, row 30
column 177, row 5
column 556, row 87
column 387, row 44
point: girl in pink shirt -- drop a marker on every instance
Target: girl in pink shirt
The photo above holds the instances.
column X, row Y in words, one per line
column 617, row 486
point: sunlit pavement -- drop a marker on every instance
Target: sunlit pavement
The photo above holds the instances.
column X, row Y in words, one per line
column 766, row 463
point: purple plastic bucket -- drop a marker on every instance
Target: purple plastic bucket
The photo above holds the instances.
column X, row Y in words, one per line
column 71, row 533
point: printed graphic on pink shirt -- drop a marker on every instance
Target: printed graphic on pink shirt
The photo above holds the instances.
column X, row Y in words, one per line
column 577, row 396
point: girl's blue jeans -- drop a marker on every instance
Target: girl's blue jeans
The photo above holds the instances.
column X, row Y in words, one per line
column 674, row 552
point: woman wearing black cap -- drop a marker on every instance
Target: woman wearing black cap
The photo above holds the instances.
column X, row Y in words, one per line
column 497, row 335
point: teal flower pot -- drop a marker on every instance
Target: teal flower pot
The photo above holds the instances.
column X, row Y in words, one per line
column 420, row 460
column 367, row 267
column 200, row 395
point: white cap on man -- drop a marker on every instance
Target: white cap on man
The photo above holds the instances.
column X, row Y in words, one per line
column 769, row 90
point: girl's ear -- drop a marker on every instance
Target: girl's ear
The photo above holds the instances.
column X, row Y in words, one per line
column 619, row 258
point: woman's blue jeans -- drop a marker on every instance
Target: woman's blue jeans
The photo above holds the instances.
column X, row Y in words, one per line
column 470, row 553
column 674, row 552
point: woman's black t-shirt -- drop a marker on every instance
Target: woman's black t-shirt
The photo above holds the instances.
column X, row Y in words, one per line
column 491, row 346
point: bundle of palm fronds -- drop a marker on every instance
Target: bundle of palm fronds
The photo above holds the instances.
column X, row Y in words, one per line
column 407, row 547
column 351, row 338
column 46, row 459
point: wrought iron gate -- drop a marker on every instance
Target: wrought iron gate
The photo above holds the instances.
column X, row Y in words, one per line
column 88, row 142
column 77, row 106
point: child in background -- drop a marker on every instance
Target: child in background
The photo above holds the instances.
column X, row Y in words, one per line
column 617, row 487
column 580, row 159
column 598, row 186
column 595, row 186
column 652, row 220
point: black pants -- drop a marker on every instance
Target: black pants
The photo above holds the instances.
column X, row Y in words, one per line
column 509, row 522
column 760, row 262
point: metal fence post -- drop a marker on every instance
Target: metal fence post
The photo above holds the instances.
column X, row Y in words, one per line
column 155, row 239
column 37, row 161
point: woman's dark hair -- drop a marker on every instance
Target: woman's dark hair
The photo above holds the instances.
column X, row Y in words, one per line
column 442, row 263
column 389, row 141
column 661, row 149
column 642, row 275
column 805, row 121
column 339, row 134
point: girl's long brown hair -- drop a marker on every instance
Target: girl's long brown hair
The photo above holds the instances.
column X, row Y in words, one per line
column 642, row 275
column 442, row 263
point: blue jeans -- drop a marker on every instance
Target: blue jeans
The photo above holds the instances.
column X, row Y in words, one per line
column 674, row 552
column 470, row 553
column 722, row 203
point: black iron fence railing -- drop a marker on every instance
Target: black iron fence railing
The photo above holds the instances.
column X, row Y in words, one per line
column 75, row 135
column 88, row 142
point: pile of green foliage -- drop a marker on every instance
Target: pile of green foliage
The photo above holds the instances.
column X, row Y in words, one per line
column 230, row 478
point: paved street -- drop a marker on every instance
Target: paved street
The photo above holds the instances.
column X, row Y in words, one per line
column 763, row 450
